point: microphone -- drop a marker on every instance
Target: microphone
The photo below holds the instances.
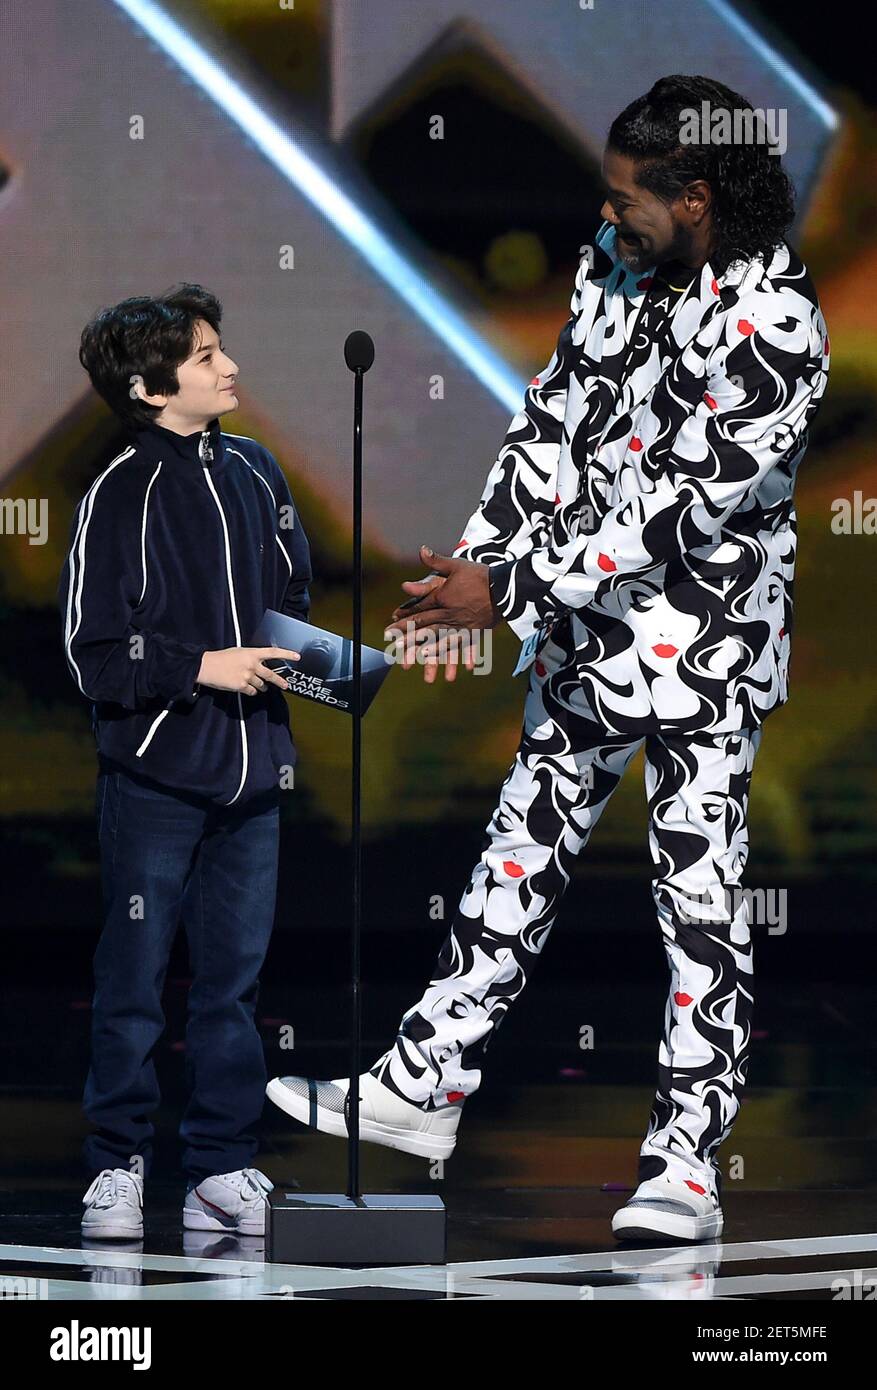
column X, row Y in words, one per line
column 359, row 351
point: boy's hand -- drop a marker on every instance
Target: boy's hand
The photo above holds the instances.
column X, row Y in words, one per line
column 243, row 669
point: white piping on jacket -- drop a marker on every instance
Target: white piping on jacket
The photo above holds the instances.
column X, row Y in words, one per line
column 143, row 530
column 152, row 728
column 265, row 483
column 77, row 561
column 237, row 629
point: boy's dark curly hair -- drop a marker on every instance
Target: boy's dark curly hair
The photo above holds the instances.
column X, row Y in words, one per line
column 148, row 338
column 753, row 197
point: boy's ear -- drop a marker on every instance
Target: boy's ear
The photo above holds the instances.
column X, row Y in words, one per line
column 137, row 390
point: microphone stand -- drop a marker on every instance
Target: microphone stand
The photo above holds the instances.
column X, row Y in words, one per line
column 352, row 1229
column 353, row 1191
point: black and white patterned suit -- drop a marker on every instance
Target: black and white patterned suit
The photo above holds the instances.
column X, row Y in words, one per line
column 640, row 516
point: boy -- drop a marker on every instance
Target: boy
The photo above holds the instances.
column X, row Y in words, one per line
column 177, row 549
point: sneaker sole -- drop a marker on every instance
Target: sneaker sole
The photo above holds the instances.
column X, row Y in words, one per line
column 97, row 1232
column 637, row 1225
column 372, row 1131
column 201, row 1221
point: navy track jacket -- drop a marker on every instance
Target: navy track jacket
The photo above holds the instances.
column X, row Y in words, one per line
column 177, row 548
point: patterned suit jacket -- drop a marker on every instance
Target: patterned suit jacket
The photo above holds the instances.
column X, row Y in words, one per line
column 644, row 495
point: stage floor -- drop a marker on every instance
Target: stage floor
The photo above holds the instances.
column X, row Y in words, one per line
column 546, row 1151
column 503, row 1245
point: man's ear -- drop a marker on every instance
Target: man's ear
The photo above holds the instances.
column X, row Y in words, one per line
column 697, row 199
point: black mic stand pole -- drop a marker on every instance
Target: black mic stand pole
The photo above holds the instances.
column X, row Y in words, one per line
column 356, row 800
column 327, row 1228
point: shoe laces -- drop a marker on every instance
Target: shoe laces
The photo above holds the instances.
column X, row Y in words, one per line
column 250, row 1183
column 109, row 1185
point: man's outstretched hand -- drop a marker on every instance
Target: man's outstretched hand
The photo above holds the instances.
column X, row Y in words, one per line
column 462, row 601
column 456, row 597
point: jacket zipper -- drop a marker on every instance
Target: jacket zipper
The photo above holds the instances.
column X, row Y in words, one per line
column 205, row 452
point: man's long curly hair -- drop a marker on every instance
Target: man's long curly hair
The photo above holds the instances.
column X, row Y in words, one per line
column 753, row 197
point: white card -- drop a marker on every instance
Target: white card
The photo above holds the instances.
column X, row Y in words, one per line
column 529, row 650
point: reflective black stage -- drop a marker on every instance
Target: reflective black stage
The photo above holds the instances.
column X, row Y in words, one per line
column 547, row 1149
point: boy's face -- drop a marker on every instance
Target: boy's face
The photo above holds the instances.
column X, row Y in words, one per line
column 206, row 380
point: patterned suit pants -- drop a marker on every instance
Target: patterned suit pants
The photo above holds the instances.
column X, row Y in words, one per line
column 562, row 776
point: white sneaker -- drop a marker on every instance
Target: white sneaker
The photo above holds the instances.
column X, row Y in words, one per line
column 663, row 1207
column 384, row 1118
column 114, row 1206
column 229, row 1202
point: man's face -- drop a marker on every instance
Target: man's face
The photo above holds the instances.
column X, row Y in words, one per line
column 647, row 231
column 206, row 378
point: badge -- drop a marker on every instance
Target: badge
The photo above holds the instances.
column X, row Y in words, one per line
column 530, row 648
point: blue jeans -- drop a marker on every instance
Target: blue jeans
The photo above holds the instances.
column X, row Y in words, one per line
column 167, row 856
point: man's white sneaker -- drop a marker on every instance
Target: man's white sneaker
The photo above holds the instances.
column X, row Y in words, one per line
column 113, row 1206
column 384, row 1118
column 663, row 1207
column 228, row 1202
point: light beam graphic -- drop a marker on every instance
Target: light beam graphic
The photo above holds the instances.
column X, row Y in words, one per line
column 290, row 158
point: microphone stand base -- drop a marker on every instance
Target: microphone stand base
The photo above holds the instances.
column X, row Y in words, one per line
column 328, row 1228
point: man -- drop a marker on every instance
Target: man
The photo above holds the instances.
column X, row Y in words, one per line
column 637, row 532
column 177, row 549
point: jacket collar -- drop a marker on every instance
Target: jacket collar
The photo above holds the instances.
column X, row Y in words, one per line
column 634, row 283
column 194, row 449
column 614, row 313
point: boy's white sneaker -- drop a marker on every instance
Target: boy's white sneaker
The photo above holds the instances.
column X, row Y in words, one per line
column 228, row 1202
column 384, row 1118
column 663, row 1207
column 113, row 1206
